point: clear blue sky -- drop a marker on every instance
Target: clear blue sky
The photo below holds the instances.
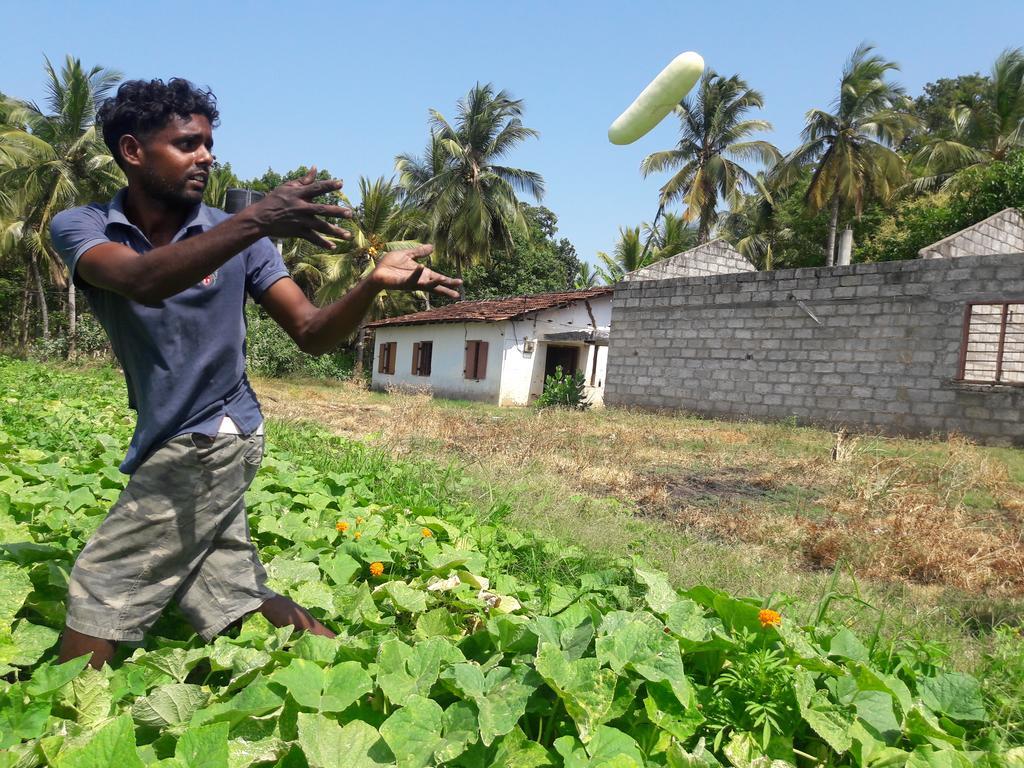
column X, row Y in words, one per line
column 347, row 85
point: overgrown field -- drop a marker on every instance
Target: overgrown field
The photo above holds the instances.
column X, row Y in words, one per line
column 940, row 520
column 464, row 639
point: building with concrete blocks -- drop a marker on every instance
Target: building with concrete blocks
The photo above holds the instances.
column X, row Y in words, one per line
column 715, row 258
column 1001, row 233
column 498, row 351
column 933, row 345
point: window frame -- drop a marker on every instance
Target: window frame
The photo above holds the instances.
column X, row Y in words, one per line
column 418, row 349
column 965, row 340
column 388, row 351
column 477, row 369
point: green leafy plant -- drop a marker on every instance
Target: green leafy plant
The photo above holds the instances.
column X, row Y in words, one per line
column 461, row 641
column 564, row 391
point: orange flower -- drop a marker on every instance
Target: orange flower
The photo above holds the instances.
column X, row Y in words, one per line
column 342, row 526
column 769, row 618
column 427, row 533
column 357, row 535
column 376, row 569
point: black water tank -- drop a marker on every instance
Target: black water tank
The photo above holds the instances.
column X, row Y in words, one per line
column 237, row 199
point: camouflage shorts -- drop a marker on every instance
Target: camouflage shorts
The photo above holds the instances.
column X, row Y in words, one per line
column 178, row 532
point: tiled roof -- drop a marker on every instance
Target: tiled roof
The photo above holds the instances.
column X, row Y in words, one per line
column 491, row 310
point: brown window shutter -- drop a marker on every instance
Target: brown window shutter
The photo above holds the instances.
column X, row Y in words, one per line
column 469, row 367
column 481, row 360
column 426, row 357
column 392, row 350
column 416, row 358
column 382, row 358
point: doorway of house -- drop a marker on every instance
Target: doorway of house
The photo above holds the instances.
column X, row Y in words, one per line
column 566, row 357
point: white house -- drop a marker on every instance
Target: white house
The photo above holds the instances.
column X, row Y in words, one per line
column 496, row 350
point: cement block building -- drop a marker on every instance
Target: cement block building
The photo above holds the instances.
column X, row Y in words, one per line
column 933, row 345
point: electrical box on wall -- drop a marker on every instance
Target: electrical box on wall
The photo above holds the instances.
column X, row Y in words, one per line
column 528, row 347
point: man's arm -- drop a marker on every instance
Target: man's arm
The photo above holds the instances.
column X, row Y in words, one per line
column 151, row 277
column 319, row 330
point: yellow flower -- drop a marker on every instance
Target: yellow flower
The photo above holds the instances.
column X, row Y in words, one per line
column 359, row 520
column 769, row 618
column 342, row 526
column 427, row 533
column 376, row 569
column 357, row 535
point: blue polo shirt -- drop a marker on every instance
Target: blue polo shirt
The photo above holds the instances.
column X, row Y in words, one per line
column 184, row 360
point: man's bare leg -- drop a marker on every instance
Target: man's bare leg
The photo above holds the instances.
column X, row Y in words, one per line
column 280, row 611
column 74, row 644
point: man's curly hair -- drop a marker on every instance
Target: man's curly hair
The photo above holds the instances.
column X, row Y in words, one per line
column 143, row 107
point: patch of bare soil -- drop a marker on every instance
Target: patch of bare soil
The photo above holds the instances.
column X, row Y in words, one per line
column 726, row 487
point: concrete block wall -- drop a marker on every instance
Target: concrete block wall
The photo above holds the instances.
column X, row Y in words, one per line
column 883, row 354
column 1001, row 233
column 714, row 258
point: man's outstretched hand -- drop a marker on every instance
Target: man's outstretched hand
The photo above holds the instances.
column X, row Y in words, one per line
column 288, row 211
column 401, row 270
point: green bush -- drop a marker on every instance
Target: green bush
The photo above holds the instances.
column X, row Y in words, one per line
column 974, row 195
column 913, row 225
column 270, row 352
column 561, row 391
column 90, row 338
column 44, row 350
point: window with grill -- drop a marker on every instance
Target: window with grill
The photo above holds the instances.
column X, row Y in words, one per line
column 386, row 358
column 992, row 350
column 422, row 352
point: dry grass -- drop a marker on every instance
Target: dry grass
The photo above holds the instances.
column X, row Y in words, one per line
column 771, row 502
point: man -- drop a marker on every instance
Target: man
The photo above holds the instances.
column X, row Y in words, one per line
column 167, row 276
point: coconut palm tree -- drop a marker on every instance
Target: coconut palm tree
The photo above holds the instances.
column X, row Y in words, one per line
column 587, row 276
column 851, row 147
column 221, row 179
column 64, row 163
column 670, row 236
column 986, row 130
column 712, row 139
column 381, row 223
column 754, row 226
column 627, row 256
column 471, row 199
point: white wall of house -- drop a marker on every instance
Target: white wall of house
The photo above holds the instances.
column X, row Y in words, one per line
column 523, row 374
column 518, row 364
column 447, row 359
column 515, row 376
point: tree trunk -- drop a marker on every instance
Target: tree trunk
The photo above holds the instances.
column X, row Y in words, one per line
column 833, row 225
column 41, row 296
column 72, row 319
column 458, row 274
column 703, row 231
column 26, row 292
column 357, row 372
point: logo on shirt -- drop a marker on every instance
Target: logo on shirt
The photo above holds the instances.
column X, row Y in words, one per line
column 210, row 279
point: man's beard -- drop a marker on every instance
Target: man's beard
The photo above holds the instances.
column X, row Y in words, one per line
column 174, row 196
